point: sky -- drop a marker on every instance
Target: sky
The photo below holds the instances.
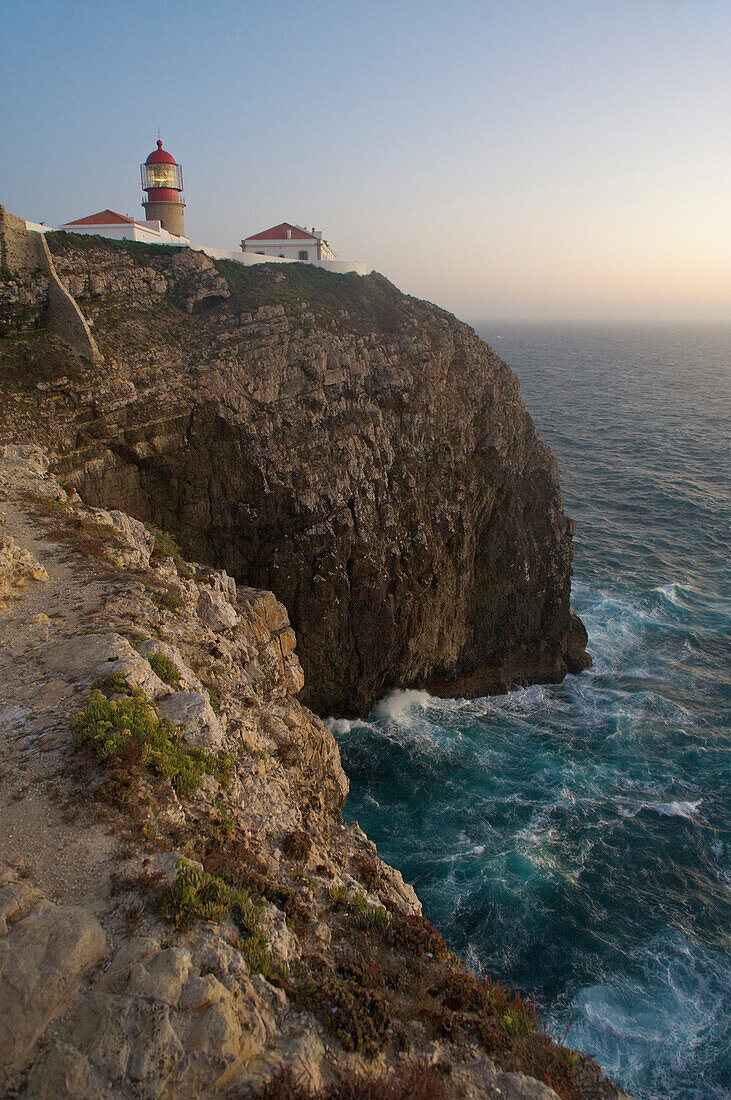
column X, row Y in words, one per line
column 515, row 159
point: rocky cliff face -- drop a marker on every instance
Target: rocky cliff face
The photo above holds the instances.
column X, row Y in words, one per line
column 361, row 453
column 184, row 915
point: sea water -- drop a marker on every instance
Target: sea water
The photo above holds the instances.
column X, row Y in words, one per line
column 574, row 839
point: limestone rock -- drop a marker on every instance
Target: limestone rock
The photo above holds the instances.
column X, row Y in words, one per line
column 139, row 543
column 216, row 611
column 62, row 1073
column 374, row 466
column 43, row 957
column 193, row 710
column 197, row 284
column 17, row 568
column 86, row 655
column 516, row 1086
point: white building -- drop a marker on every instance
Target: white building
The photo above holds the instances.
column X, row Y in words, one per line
column 109, row 224
column 289, row 242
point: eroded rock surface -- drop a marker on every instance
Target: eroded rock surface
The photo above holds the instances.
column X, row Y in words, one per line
column 359, row 452
column 167, row 940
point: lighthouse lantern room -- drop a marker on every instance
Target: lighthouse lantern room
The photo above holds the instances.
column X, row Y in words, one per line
column 162, row 179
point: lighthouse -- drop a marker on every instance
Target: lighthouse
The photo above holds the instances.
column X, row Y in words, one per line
column 162, row 179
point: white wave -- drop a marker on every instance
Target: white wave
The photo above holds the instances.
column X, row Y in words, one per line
column 688, row 810
column 670, row 592
column 675, row 809
column 398, row 704
column 339, row 726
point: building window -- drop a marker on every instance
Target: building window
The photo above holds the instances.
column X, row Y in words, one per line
column 303, row 254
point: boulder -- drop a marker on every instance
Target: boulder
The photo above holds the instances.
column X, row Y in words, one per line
column 216, row 611
column 43, row 957
column 193, row 711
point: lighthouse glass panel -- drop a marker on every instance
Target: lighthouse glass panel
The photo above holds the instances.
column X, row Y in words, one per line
column 162, row 175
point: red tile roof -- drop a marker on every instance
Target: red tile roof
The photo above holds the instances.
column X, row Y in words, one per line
column 104, row 217
column 279, row 233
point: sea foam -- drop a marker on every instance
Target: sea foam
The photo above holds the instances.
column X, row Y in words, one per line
column 397, row 705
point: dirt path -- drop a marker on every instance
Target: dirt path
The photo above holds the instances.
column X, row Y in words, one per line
column 71, row 855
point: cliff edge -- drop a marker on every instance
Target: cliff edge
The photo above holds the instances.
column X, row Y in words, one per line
column 361, row 453
column 183, row 912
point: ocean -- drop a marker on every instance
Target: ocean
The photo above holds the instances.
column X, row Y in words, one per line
column 574, row 839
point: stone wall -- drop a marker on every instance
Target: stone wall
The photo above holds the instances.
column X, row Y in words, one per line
column 23, row 252
column 19, row 249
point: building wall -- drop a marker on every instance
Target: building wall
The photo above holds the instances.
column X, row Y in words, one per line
column 289, row 249
column 338, row 267
column 137, row 232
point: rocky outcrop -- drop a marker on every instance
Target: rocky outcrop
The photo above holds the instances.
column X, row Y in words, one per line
column 45, row 951
column 183, row 911
column 361, row 453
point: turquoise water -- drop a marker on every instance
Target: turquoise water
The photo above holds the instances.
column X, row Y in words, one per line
column 575, row 839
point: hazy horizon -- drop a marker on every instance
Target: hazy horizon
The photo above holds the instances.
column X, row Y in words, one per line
column 543, row 163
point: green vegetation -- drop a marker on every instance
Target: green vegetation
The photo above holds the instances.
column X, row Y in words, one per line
column 361, row 301
column 163, row 667
column 37, row 356
column 197, row 895
column 221, row 827
column 370, row 918
column 167, row 600
column 61, row 243
column 167, row 547
column 112, row 685
column 50, row 505
column 128, row 733
column 338, row 895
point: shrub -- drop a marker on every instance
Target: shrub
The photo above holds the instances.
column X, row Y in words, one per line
column 51, row 505
column 163, row 667
column 91, row 547
column 197, row 895
column 167, row 600
column 129, row 732
column 297, row 844
column 417, row 935
column 166, row 547
column 112, row 685
column 416, row 1082
column 358, row 1017
column 368, row 872
column 338, row 895
column 370, row 918
column 221, row 826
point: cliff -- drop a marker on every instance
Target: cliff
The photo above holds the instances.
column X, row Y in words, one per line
column 183, row 912
column 360, row 453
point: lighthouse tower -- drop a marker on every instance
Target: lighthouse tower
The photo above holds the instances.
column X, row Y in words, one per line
column 162, row 179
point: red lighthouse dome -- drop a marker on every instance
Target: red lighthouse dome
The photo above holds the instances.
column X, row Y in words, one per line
column 162, row 176
column 162, row 179
column 159, row 156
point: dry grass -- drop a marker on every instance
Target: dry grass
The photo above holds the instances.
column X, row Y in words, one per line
column 417, row 1082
